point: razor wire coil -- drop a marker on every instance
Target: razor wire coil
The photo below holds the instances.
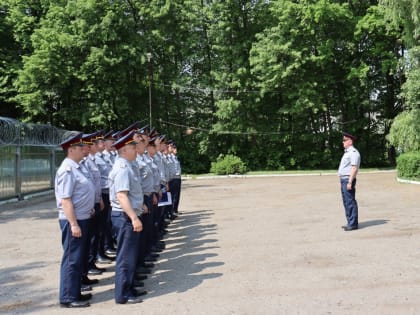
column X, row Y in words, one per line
column 13, row 132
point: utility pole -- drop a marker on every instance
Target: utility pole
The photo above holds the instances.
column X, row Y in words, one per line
column 150, row 75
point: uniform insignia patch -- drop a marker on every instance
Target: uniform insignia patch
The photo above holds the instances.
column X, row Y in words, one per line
column 68, row 168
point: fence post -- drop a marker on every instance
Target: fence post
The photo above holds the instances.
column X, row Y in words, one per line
column 18, row 172
column 52, row 167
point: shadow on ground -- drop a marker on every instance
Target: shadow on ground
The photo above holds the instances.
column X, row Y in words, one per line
column 184, row 264
column 37, row 208
column 366, row 224
column 21, row 291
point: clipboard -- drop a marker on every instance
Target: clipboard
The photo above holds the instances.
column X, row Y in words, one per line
column 166, row 199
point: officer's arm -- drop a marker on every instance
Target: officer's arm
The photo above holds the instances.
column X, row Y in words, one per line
column 125, row 204
column 68, row 209
column 353, row 173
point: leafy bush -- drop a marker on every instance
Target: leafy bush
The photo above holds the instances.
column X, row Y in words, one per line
column 228, row 164
column 408, row 165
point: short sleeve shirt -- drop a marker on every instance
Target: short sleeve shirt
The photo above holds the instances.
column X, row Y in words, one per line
column 70, row 182
column 124, row 177
column 104, row 165
column 351, row 157
column 146, row 175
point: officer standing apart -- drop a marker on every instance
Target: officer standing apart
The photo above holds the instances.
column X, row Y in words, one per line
column 75, row 196
column 347, row 171
column 126, row 198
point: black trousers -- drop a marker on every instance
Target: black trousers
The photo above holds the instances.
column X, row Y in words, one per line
column 175, row 189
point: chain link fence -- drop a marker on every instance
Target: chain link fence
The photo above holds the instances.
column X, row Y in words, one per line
column 29, row 157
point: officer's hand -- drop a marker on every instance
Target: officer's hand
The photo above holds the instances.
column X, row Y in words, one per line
column 348, row 186
column 76, row 231
column 145, row 208
column 137, row 225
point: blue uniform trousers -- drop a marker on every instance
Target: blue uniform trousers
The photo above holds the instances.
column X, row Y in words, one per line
column 106, row 240
column 94, row 237
column 74, row 258
column 175, row 189
column 349, row 202
column 127, row 255
column 157, row 217
column 147, row 221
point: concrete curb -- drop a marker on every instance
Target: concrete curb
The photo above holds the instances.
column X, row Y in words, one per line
column 407, row 181
column 187, row 177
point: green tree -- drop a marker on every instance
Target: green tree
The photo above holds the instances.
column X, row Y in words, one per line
column 320, row 61
column 301, row 63
column 406, row 14
column 85, row 67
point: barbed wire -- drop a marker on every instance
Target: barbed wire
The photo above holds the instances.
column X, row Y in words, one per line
column 13, row 132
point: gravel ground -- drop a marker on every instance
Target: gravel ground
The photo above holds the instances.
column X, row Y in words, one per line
column 254, row 245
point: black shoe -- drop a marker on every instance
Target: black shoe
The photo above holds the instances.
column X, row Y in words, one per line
column 85, row 297
column 75, row 304
column 111, row 253
column 139, row 292
column 150, row 259
column 94, row 272
column 85, row 288
column 147, row 265
column 103, row 260
column 143, row 270
column 158, row 246
column 87, row 281
column 140, row 277
column 137, row 283
column 351, row 228
column 132, row 300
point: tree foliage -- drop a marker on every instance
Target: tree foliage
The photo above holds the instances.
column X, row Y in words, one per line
column 271, row 82
column 406, row 15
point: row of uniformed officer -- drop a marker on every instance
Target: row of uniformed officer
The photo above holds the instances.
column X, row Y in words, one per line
column 147, row 177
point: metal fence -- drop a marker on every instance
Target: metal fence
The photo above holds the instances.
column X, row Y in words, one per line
column 29, row 157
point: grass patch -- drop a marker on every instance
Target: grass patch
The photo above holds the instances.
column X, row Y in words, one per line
column 291, row 172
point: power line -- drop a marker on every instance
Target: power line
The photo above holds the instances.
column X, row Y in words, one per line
column 229, row 132
column 222, row 132
column 207, row 90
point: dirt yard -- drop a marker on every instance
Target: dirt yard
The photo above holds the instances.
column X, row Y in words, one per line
column 258, row 245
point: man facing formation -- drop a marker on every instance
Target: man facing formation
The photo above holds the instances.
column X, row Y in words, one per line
column 347, row 171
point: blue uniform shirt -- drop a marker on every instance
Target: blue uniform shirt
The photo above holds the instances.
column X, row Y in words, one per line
column 351, row 157
column 124, row 176
column 70, row 182
column 95, row 176
column 105, row 166
column 146, row 175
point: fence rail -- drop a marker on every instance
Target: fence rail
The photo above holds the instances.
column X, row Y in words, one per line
column 29, row 157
